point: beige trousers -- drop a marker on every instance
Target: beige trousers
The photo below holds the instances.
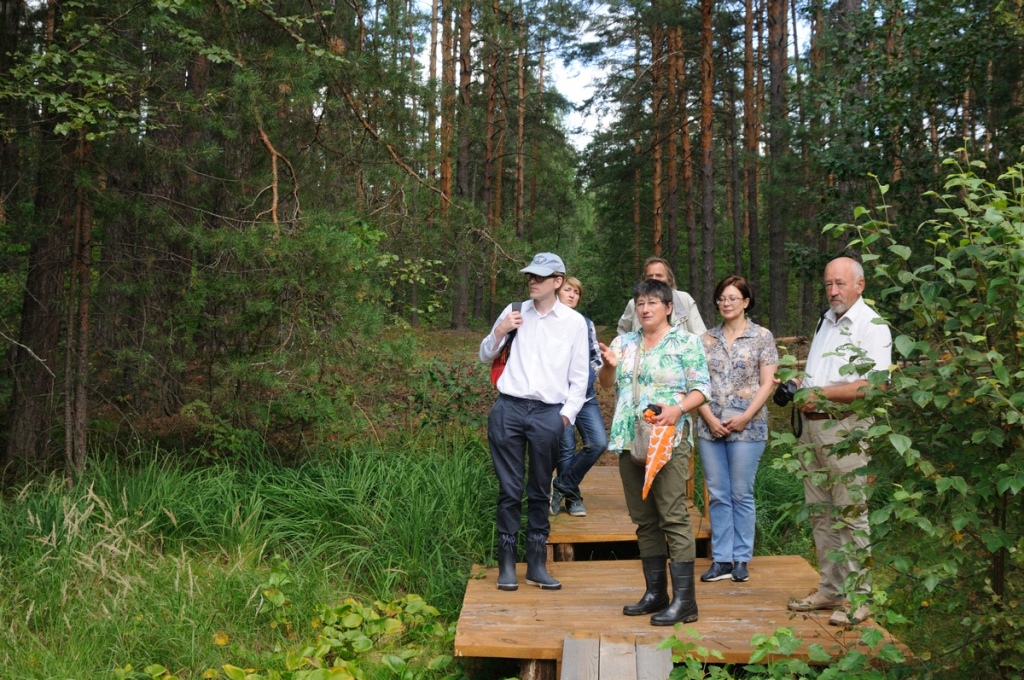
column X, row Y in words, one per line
column 834, row 492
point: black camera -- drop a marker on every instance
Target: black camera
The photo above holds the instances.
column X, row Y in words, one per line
column 785, row 392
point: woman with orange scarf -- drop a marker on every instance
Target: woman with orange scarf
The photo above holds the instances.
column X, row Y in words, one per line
column 662, row 365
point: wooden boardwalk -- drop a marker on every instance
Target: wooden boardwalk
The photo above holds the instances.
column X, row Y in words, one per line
column 607, row 519
column 531, row 624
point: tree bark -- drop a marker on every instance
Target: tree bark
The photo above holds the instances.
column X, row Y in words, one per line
column 432, row 96
column 637, row 164
column 76, row 376
column 751, row 155
column 777, row 146
column 35, row 362
column 674, row 40
column 447, row 105
column 707, row 79
column 532, row 214
column 521, row 126
column 461, row 278
column 657, row 97
column 487, row 197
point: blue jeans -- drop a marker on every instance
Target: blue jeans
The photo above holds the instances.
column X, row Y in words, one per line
column 572, row 466
column 729, row 471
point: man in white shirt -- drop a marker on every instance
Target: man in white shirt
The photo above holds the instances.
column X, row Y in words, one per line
column 541, row 390
column 849, row 331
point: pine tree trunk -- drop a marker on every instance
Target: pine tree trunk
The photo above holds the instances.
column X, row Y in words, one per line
column 35, row 362
column 707, row 80
column 521, row 126
column 461, row 278
column 532, row 214
column 750, row 147
column 447, row 104
column 674, row 41
column 432, row 96
column 637, row 166
column 487, row 197
column 657, row 97
column 778, row 270
column 733, row 185
column 692, row 236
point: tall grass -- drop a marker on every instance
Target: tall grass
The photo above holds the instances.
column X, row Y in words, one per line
column 146, row 562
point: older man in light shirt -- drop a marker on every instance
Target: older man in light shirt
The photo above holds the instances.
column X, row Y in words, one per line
column 849, row 331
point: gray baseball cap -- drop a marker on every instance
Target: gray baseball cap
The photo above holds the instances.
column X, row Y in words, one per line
column 544, row 264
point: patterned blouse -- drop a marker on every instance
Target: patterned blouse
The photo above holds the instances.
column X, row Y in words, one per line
column 668, row 372
column 736, row 377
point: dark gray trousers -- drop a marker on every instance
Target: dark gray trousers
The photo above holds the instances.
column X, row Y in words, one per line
column 514, row 425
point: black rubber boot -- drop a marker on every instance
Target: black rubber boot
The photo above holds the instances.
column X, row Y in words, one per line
column 684, row 601
column 656, row 597
column 507, row 563
column 536, row 557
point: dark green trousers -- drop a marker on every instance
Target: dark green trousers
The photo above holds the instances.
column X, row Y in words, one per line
column 662, row 521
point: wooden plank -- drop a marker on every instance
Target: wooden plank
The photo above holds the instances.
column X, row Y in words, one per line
column 581, row 656
column 618, row 657
column 531, row 623
column 607, row 518
column 652, row 663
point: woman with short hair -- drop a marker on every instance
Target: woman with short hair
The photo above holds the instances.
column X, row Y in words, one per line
column 664, row 365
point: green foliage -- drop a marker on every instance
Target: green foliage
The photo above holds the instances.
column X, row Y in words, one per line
column 774, row 657
column 162, row 562
column 343, row 642
column 948, row 439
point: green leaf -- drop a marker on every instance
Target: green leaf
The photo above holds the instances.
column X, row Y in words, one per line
column 900, row 442
column 233, row 672
column 944, row 484
column 901, row 252
column 891, row 653
column 904, row 345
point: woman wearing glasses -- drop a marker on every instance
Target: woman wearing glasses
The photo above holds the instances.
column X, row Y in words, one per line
column 733, row 429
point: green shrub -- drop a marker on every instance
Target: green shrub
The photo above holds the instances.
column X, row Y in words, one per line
column 948, row 438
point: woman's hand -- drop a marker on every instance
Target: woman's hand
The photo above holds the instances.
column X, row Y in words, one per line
column 717, row 427
column 610, row 358
column 736, row 423
column 670, row 414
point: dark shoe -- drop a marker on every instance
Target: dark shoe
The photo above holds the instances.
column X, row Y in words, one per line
column 536, row 571
column 739, row 572
column 556, row 500
column 719, row 571
column 507, row 563
column 656, row 597
column 576, row 508
column 684, row 602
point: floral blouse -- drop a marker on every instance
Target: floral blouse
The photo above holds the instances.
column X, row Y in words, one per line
column 736, row 377
column 667, row 373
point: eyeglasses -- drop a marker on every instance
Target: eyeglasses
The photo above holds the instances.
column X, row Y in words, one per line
column 538, row 278
column 731, row 300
